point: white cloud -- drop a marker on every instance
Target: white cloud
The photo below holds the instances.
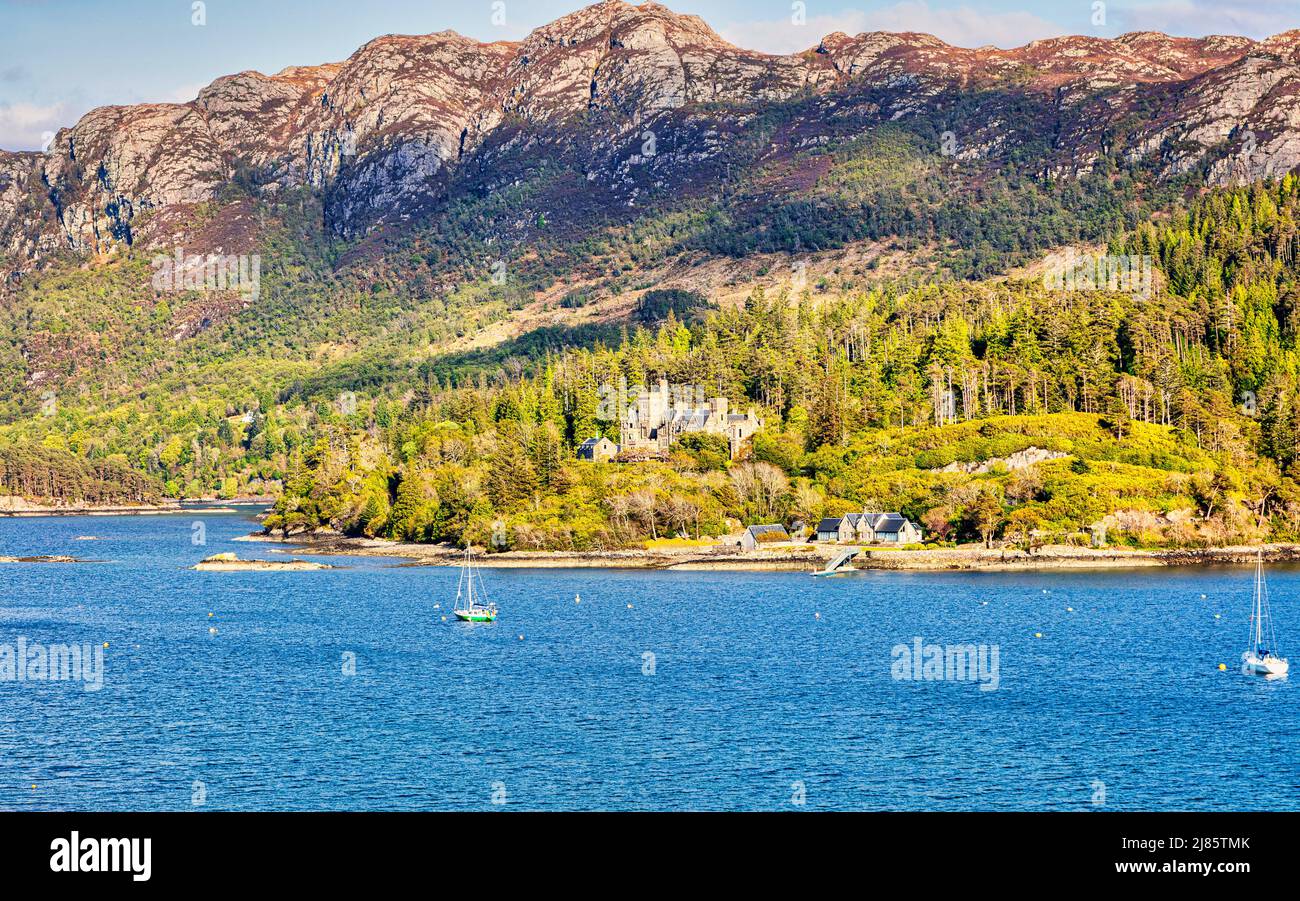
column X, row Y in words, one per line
column 961, row 26
column 27, row 126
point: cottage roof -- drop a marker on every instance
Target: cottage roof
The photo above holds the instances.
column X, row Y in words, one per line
column 829, row 524
column 888, row 522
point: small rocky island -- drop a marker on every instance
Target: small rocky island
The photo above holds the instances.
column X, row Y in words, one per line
column 229, row 562
column 45, row 558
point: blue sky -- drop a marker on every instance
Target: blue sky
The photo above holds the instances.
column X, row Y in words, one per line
column 60, row 58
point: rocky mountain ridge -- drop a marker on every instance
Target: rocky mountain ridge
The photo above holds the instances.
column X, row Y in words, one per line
column 639, row 97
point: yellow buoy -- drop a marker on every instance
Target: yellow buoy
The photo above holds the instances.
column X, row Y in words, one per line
column 1038, row 634
column 521, row 638
column 1223, row 666
column 209, row 616
column 629, row 606
column 106, row 644
column 444, row 619
column 1216, row 616
column 1069, row 609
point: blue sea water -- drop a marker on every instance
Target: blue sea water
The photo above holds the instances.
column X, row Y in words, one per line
column 764, row 688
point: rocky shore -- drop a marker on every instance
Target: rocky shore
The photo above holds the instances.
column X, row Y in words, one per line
column 231, row 563
column 18, row 506
column 802, row 557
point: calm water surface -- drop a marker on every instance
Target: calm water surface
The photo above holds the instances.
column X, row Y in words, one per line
column 751, row 691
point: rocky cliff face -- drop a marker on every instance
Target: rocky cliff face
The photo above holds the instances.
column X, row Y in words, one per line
column 392, row 128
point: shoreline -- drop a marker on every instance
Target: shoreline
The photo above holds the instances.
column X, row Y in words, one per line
column 32, row 511
column 793, row 558
column 17, row 508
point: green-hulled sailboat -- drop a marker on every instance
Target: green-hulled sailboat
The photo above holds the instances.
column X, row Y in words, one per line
column 472, row 604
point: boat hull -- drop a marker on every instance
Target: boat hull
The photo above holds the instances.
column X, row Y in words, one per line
column 1254, row 666
column 475, row 616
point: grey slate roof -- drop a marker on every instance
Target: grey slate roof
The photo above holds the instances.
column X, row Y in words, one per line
column 888, row 522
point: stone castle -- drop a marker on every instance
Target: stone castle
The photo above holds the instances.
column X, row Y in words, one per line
column 659, row 416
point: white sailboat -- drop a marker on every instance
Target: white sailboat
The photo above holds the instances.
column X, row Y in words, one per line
column 472, row 604
column 1261, row 658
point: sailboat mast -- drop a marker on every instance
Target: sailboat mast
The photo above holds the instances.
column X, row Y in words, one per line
column 460, row 587
column 1259, row 595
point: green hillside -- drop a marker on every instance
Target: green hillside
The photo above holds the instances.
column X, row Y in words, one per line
column 1141, row 401
column 1174, row 413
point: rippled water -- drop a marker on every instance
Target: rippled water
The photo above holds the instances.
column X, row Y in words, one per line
column 761, row 684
